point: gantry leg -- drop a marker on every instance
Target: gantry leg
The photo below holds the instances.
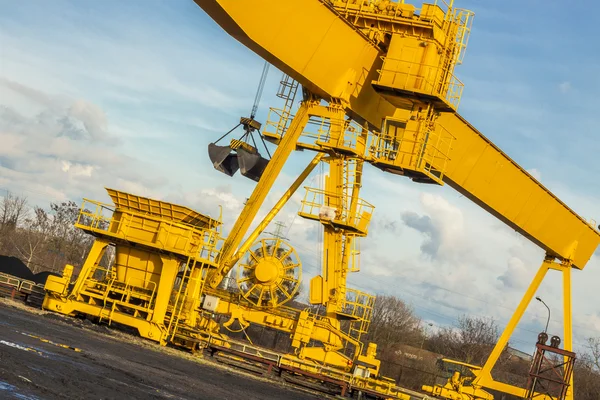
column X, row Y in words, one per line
column 58, row 298
column 89, row 266
column 259, row 194
column 484, row 378
column 568, row 321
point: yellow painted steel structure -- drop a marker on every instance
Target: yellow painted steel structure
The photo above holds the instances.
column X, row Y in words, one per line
column 336, row 59
column 345, row 218
column 153, row 242
column 390, row 67
column 378, row 87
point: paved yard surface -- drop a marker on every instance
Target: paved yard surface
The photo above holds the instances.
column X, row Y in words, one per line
column 109, row 366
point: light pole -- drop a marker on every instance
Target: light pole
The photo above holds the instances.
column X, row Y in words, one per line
column 547, row 322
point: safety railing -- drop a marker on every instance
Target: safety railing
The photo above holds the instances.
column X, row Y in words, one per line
column 445, row 5
column 332, row 207
column 103, row 281
column 278, row 121
column 427, row 151
column 144, row 290
column 319, row 131
column 358, row 304
column 373, row 9
column 166, row 235
column 464, row 20
column 181, row 299
column 26, row 286
column 20, row 284
column 396, row 150
column 10, row 280
column 436, row 150
column 411, row 76
column 98, row 218
column 99, row 279
column 343, row 135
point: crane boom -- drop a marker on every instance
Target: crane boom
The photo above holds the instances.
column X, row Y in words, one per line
column 479, row 170
column 312, row 41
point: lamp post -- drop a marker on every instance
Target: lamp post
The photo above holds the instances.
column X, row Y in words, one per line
column 547, row 322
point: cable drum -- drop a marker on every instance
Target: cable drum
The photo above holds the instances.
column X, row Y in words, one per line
column 270, row 274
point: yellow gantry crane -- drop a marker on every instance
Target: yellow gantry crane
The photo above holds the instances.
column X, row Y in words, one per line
column 378, row 87
column 389, row 67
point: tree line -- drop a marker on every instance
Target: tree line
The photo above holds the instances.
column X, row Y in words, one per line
column 45, row 240
column 408, row 347
column 410, row 350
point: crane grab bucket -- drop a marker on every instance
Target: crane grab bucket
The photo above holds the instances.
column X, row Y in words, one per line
column 252, row 165
column 223, row 159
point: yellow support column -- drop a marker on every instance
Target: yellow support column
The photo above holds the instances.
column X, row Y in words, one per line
column 56, row 298
column 484, row 378
column 195, row 285
column 332, row 240
column 568, row 321
column 276, row 208
column 286, row 146
column 93, row 258
column 170, row 266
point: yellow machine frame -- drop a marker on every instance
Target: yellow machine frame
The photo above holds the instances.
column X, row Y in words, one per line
column 378, row 87
column 390, row 66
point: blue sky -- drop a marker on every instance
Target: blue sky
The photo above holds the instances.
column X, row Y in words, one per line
column 129, row 94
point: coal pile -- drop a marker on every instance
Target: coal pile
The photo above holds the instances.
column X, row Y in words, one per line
column 14, row 266
column 41, row 277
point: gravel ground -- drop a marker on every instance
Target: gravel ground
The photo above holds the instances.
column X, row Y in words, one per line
column 110, row 365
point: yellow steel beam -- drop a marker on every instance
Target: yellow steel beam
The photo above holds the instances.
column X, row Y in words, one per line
column 484, row 376
column 326, row 54
column 568, row 323
column 308, row 41
column 276, row 208
column 482, row 172
column 287, row 145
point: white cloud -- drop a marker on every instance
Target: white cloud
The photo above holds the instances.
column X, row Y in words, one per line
column 77, row 169
column 65, row 149
column 92, row 117
column 515, row 276
column 535, row 173
column 63, row 104
column 565, row 87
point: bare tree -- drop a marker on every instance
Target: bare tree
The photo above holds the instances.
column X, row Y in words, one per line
column 13, row 209
column 594, row 346
column 471, row 341
column 477, row 338
column 31, row 240
column 44, row 240
column 586, row 375
column 445, row 341
column 68, row 243
column 392, row 322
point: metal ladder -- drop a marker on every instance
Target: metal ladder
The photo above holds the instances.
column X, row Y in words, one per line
column 180, row 297
column 287, row 90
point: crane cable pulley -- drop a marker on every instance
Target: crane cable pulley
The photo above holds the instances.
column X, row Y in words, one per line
column 240, row 153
